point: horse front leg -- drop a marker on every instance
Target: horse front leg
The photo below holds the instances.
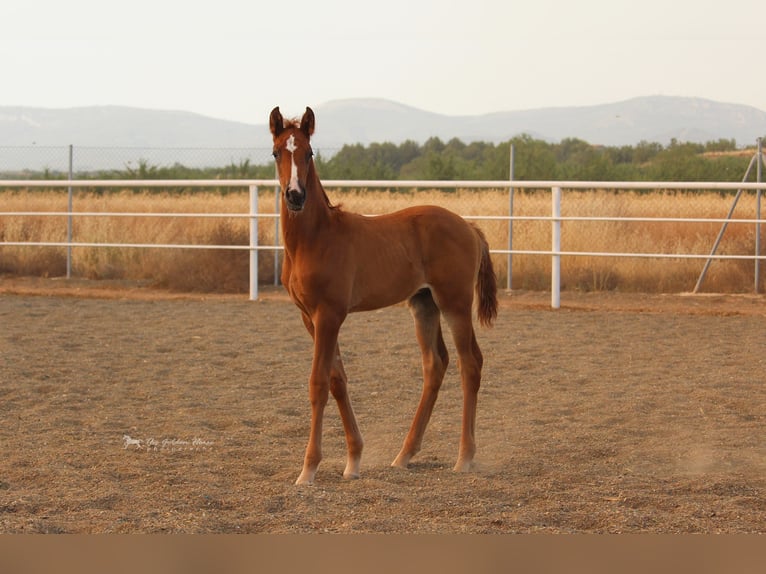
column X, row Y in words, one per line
column 354, row 442
column 339, row 390
column 325, row 332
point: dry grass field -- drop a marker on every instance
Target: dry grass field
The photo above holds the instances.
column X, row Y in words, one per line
column 226, row 271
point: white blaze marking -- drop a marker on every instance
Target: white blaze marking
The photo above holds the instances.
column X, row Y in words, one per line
column 290, row 146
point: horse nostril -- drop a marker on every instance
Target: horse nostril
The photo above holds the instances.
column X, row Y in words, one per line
column 295, row 198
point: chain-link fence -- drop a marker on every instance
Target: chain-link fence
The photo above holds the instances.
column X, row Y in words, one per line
column 54, row 162
column 228, row 270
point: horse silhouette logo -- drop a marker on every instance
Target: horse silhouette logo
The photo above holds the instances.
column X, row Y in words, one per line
column 131, row 442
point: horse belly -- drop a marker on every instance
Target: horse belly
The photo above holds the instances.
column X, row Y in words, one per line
column 381, row 298
column 383, row 283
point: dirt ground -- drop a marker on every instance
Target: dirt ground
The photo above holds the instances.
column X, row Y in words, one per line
column 616, row 413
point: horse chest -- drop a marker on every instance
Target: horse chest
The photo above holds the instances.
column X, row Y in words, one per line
column 312, row 282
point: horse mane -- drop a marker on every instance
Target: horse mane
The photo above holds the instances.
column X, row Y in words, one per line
column 291, row 123
column 331, row 206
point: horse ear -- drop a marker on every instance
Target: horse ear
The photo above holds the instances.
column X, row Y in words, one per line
column 307, row 122
column 276, row 123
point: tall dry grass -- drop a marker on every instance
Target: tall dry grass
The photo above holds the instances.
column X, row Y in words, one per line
column 227, row 271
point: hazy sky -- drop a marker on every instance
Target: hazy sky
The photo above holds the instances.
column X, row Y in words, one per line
column 237, row 59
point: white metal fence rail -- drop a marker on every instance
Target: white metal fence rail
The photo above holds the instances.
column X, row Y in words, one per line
column 556, row 187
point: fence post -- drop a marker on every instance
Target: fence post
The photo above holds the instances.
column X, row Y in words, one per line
column 510, row 223
column 556, row 248
column 69, row 217
column 759, row 175
column 717, row 242
column 253, row 242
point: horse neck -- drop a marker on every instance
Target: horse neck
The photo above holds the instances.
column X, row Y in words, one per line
column 307, row 224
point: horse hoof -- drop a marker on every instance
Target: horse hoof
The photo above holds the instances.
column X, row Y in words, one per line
column 401, row 462
column 305, row 479
column 463, row 466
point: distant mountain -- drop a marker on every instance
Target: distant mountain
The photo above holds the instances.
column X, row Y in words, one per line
column 654, row 119
column 117, row 126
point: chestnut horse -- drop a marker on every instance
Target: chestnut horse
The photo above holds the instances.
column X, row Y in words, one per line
column 338, row 262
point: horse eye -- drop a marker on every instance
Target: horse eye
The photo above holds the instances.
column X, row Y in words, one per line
column 275, row 153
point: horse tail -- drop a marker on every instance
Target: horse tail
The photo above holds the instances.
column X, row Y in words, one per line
column 486, row 284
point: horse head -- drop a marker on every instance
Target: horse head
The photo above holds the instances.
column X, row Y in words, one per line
column 293, row 154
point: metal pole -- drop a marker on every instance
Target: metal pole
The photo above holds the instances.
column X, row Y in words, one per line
column 759, row 173
column 701, row 278
column 510, row 223
column 69, row 217
column 253, row 242
column 556, row 248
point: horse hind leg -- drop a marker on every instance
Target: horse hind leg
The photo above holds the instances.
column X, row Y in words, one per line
column 435, row 360
column 470, row 362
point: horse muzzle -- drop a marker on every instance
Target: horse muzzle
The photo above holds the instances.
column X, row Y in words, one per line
column 295, row 198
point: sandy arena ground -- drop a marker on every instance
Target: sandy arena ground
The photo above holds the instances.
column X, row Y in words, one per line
column 616, row 413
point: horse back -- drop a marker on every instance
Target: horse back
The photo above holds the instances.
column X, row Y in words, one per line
column 396, row 254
